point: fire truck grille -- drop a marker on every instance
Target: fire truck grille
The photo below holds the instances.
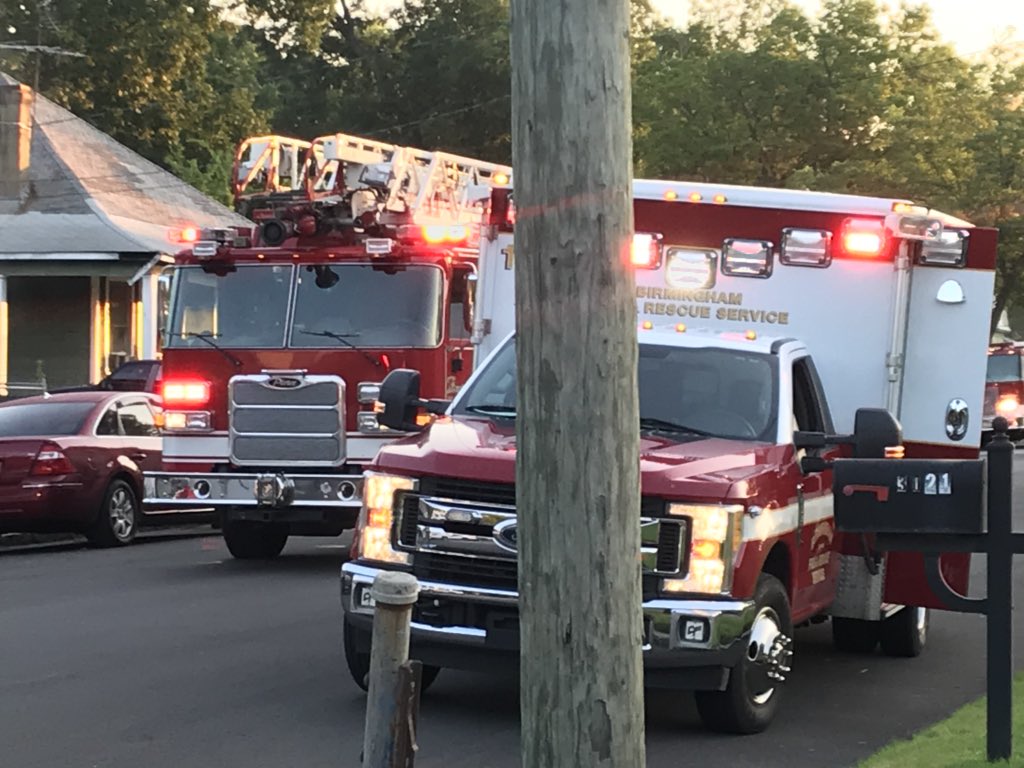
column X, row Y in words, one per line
column 287, row 419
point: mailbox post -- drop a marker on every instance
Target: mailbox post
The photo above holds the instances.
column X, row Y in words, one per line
column 940, row 506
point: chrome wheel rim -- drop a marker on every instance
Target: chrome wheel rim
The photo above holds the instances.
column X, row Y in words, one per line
column 122, row 514
column 769, row 656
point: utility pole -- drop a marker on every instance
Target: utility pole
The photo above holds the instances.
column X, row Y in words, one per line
column 577, row 424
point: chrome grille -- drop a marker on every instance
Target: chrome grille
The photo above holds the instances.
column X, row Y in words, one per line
column 287, row 418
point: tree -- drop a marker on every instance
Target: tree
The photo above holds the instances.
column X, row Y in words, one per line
column 577, row 469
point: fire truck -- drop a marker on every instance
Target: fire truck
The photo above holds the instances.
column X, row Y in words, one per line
column 1004, row 389
column 777, row 329
column 363, row 259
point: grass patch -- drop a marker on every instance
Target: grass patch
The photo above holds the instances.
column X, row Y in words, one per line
column 958, row 742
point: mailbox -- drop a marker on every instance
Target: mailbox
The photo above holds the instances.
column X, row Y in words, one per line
column 909, row 496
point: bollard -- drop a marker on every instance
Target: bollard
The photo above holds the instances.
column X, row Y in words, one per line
column 394, row 594
column 1000, row 584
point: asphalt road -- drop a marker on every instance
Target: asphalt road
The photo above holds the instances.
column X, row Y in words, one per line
column 169, row 654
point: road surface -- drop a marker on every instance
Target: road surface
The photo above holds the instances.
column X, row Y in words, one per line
column 169, row 654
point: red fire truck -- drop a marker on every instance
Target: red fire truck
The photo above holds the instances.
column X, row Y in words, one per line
column 363, row 260
column 1004, row 388
column 771, row 323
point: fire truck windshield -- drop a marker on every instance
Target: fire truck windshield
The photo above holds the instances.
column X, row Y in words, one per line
column 368, row 305
column 337, row 305
column 684, row 392
column 1004, row 367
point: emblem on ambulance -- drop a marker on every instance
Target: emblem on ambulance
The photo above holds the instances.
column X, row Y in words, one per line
column 691, row 269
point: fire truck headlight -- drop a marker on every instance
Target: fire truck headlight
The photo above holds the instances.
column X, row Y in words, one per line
column 715, row 537
column 376, row 521
column 186, row 421
column 1007, row 405
column 368, row 392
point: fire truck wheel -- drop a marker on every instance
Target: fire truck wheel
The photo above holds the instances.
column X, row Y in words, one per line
column 855, row 635
column 254, row 541
column 117, row 521
column 749, row 702
column 904, row 633
column 359, row 664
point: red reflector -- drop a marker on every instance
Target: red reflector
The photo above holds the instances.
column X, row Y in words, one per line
column 51, row 461
column 185, row 392
column 385, row 361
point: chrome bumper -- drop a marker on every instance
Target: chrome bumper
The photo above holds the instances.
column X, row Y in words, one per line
column 671, row 625
column 276, row 490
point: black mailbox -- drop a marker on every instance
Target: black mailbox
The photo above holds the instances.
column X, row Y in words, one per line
column 909, row 495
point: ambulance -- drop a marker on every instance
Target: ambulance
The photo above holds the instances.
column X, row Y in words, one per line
column 777, row 329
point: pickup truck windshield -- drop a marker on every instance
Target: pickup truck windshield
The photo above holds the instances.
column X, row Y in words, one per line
column 683, row 391
column 336, row 305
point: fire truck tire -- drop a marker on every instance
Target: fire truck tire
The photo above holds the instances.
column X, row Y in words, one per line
column 359, row 664
column 750, row 700
column 904, row 633
column 254, row 541
column 855, row 635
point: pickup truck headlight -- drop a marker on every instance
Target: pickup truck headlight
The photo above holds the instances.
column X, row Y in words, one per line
column 377, row 517
column 716, row 532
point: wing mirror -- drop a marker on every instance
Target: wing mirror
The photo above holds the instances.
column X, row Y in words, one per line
column 400, row 400
column 875, row 430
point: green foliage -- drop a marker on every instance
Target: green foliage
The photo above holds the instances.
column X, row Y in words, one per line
column 855, row 98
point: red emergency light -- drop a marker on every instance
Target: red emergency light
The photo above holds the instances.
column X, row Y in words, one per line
column 185, row 392
column 864, row 238
column 645, row 251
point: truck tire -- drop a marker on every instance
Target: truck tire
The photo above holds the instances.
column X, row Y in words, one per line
column 855, row 635
column 905, row 633
column 750, row 700
column 254, row 541
column 359, row 664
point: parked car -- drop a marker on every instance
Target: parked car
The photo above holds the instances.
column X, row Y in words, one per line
column 74, row 462
column 133, row 376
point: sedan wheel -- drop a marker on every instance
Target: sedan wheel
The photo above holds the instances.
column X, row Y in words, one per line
column 116, row 523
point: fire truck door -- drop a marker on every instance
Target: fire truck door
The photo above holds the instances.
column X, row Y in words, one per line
column 459, row 348
column 941, row 402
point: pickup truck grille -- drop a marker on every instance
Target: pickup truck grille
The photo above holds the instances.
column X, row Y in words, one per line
column 287, row 419
column 462, row 549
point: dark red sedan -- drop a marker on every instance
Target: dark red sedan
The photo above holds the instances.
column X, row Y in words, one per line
column 74, row 462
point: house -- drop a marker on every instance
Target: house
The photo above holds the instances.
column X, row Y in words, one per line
column 84, row 240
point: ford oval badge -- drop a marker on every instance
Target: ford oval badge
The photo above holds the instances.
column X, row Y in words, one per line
column 505, row 535
column 283, row 382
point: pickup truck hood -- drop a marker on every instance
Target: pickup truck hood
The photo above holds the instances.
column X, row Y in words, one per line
column 708, row 469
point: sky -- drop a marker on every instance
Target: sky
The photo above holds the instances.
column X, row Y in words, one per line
column 972, row 25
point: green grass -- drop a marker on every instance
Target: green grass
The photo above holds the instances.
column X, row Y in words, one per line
column 958, row 742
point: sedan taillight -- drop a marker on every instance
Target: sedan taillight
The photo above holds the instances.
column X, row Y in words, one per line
column 51, row 461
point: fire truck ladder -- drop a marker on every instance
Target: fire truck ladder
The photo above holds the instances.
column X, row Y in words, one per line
column 268, row 168
column 404, row 184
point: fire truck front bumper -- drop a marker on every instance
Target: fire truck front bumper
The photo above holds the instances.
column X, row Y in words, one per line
column 689, row 644
column 331, row 499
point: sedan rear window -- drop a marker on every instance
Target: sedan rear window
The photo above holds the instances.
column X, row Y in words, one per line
column 43, row 419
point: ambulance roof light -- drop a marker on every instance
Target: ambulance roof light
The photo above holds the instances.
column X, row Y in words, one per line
column 863, row 237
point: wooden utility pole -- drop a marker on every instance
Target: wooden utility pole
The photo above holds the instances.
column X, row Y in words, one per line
column 577, row 425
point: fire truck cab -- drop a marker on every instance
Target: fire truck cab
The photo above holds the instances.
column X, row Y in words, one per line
column 768, row 320
column 278, row 337
column 1004, row 388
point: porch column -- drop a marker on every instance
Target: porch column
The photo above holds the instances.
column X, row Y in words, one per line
column 150, row 290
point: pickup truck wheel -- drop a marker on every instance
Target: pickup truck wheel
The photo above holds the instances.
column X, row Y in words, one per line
column 359, row 663
column 254, row 541
column 855, row 635
column 750, row 700
column 904, row 633
column 117, row 521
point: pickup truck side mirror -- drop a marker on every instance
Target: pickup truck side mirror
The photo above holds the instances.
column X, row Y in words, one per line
column 874, row 430
column 400, row 397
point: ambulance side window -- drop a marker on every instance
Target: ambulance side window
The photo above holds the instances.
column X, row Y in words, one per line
column 809, row 409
